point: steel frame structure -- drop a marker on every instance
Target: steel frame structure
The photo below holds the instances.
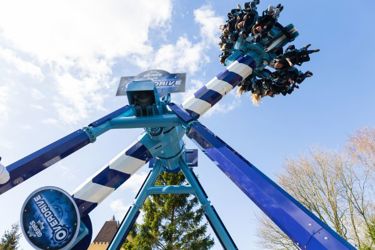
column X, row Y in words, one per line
column 194, row 188
column 162, row 142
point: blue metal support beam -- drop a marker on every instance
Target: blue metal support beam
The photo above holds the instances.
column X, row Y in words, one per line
column 303, row 227
column 120, row 122
column 173, row 189
column 194, row 188
column 210, row 212
column 133, row 211
column 167, row 120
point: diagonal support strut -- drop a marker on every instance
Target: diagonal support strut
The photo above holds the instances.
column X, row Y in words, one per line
column 194, row 188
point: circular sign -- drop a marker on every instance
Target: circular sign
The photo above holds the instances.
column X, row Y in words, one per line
column 50, row 219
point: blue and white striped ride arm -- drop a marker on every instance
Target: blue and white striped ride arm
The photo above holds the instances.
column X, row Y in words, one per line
column 110, row 177
column 36, row 162
column 207, row 96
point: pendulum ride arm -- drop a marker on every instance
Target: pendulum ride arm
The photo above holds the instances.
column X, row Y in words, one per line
column 36, row 162
column 303, row 227
column 111, row 176
column 211, row 93
column 126, row 163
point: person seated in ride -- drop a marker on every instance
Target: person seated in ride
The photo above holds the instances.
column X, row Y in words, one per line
column 280, row 63
column 286, row 80
column 244, row 27
column 262, row 87
column 259, row 87
column 265, row 23
column 246, row 85
column 297, row 56
column 250, row 16
column 223, row 56
column 273, row 11
column 251, row 6
column 292, row 56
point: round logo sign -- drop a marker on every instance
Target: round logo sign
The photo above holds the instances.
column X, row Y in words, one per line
column 50, row 219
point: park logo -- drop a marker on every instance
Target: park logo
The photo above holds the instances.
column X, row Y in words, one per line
column 50, row 219
column 165, row 82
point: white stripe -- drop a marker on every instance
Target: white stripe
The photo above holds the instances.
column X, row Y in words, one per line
column 219, row 86
column 197, row 105
column 275, row 43
column 240, row 69
column 96, row 193
column 292, row 31
column 52, row 161
column 200, row 106
column 126, row 164
column 93, row 192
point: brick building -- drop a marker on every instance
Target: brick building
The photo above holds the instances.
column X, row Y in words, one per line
column 105, row 235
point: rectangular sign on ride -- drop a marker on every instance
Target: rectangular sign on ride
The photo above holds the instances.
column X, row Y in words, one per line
column 165, row 82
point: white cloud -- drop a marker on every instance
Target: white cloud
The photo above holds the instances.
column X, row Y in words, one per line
column 210, row 23
column 68, row 29
column 4, row 108
column 50, row 121
column 134, row 183
column 78, row 96
column 210, row 33
column 25, row 127
column 66, row 172
column 119, row 208
column 8, row 56
column 6, row 144
column 224, row 107
column 185, row 55
column 37, row 94
column 37, row 107
column 68, row 49
column 73, row 45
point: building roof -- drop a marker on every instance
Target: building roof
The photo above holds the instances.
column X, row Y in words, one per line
column 107, row 232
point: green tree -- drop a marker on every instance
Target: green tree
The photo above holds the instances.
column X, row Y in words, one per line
column 170, row 221
column 10, row 239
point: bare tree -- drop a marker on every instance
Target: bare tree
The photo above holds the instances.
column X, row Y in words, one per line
column 336, row 187
column 361, row 147
column 361, row 188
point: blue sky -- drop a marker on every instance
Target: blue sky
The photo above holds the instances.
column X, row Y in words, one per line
column 60, row 63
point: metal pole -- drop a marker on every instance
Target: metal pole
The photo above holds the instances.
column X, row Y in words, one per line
column 194, row 188
column 172, row 189
column 211, row 214
column 133, row 211
column 167, row 120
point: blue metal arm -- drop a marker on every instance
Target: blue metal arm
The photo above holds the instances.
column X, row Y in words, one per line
column 303, row 227
column 36, row 162
column 211, row 93
column 110, row 177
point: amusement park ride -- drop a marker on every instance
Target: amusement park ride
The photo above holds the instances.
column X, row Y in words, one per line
column 252, row 46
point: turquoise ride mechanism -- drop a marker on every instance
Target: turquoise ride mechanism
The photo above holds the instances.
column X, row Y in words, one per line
column 253, row 52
